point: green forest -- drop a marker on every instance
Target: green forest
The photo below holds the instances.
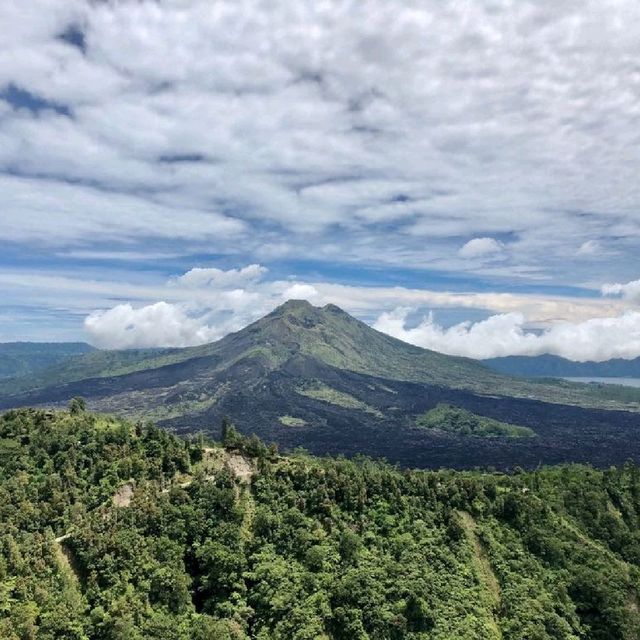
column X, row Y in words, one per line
column 115, row 530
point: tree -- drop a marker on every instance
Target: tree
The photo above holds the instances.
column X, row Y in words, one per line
column 349, row 545
column 226, row 426
column 77, row 406
column 231, row 438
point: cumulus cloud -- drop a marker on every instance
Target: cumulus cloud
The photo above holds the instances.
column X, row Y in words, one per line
column 300, row 291
column 173, row 324
column 629, row 290
column 480, row 247
column 596, row 339
column 159, row 324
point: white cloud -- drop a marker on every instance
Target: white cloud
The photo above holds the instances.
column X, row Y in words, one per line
column 539, row 309
column 373, row 133
column 218, row 278
column 300, row 291
column 480, row 247
column 629, row 290
column 159, row 324
column 596, row 339
column 199, row 320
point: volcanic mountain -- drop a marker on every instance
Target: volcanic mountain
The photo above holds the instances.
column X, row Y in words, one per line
column 319, row 378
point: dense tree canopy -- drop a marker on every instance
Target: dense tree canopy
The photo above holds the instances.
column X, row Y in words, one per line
column 111, row 530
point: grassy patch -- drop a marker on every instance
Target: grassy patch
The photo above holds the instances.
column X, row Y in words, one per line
column 483, row 563
column 320, row 391
column 454, row 420
column 291, row 421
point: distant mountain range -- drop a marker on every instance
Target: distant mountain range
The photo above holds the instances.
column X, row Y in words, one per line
column 554, row 367
column 319, row 378
column 25, row 358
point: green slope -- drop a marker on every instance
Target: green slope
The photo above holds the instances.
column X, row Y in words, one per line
column 27, row 358
column 113, row 530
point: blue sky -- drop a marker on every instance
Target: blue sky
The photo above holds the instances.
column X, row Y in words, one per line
column 461, row 175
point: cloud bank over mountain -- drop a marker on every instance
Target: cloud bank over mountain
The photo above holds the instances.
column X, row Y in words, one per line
column 209, row 303
column 596, row 340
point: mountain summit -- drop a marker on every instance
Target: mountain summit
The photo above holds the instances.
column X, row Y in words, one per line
column 320, row 378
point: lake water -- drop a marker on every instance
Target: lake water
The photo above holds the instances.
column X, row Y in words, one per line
column 625, row 382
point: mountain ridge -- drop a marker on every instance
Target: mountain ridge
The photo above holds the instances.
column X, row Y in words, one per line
column 25, row 358
column 548, row 365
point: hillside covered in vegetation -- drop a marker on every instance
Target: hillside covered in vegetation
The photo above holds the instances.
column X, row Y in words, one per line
column 111, row 530
column 448, row 418
column 22, row 359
